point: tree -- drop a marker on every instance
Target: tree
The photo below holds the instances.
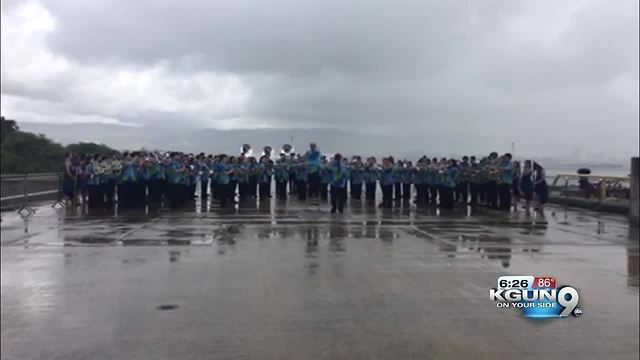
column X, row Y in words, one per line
column 24, row 152
column 90, row 148
column 8, row 127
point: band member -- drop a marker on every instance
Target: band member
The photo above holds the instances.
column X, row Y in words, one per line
column 233, row 178
column 281, row 175
column 448, row 177
column 203, row 176
column 157, row 180
column 370, row 178
column 339, row 177
column 301, row 178
column 325, row 178
column 356, row 177
column 426, row 179
column 265, row 172
column 126, row 182
column 462, row 188
column 388, row 178
column 292, row 173
column 112, row 170
column 252, row 169
column 397, row 186
column 93, row 170
column 407, row 174
column 515, row 187
column 434, row 181
column 419, row 182
column 313, row 164
column 505, row 183
column 242, row 176
column 224, row 171
column 492, row 183
column 473, row 178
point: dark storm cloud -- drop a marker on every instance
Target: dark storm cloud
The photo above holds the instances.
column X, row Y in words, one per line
column 484, row 70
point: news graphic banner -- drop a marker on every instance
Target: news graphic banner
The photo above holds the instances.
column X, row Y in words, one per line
column 537, row 296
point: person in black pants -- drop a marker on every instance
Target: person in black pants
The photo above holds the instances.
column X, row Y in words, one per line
column 397, row 186
column 339, row 177
column 462, row 188
column 388, row 177
column 506, row 182
column 356, row 177
column 370, row 178
column 313, row 162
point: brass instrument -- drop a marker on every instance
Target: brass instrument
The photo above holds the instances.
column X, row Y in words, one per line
column 246, row 150
column 286, row 149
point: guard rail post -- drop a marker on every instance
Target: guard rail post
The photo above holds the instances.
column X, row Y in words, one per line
column 634, row 190
column 25, row 203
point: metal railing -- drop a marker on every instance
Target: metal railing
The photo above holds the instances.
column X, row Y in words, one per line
column 22, row 190
column 599, row 187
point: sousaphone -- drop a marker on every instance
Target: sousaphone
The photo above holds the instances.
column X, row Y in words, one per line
column 286, row 149
column 246, row 150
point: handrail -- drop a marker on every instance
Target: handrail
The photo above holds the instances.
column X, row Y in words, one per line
column 599, row 177
column 27, row 193
column 31, row 175
column 603, row 181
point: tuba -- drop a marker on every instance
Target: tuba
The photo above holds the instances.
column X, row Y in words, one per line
column 286, row 149
column 246, row 150
column 267, row 151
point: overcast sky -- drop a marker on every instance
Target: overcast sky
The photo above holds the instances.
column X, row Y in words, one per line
column 558, row 75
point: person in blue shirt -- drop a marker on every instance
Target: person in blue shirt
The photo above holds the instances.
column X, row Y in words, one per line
column 406, row 176
column 449, row 179
column 265, row 172
column 418, row 182
column 356, row 177
column 281, row 175
column 126, row 182
column 388, row 178
column 370, row 179
column 493, row 166
column 339, row 178
column 301, row 178
column 223, row 178
column 233, row 178
column 156, row 175
column 93, row 173
column 203, row 175
column 291, row 162
column 325, row 178
column 505, row 183
column 176, row 170
column 242, row 175
column 397, row 186
column 313, row 164
column 462, row 188
column 252, row 170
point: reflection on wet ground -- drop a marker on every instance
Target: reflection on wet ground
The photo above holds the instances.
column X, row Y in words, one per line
column 285, row 280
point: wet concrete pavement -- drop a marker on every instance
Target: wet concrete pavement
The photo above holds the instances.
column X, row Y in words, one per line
column 286, row 281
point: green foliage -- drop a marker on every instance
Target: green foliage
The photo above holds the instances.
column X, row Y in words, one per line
column 23, row 152
column 90, row 148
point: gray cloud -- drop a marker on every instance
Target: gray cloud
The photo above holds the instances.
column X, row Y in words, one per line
column 550, row 76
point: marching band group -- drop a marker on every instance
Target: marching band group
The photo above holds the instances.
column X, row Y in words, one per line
column 136, row 179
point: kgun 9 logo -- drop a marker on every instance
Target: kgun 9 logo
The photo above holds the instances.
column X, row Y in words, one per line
column 539, row 303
